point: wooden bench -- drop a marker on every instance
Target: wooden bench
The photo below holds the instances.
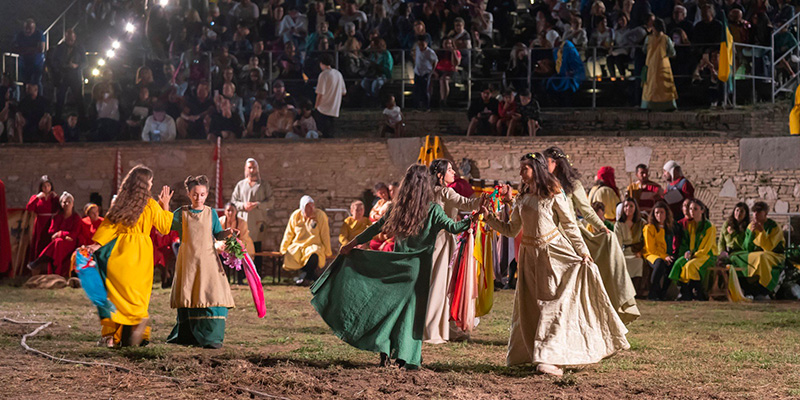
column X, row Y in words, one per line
column 717, row 275
column 277, row 263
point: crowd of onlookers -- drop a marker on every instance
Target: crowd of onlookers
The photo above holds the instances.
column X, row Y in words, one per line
column 252, row 68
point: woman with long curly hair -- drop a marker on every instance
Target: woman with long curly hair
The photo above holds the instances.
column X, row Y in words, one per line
column 562, row 314
column 603, row 245
column 376, row 301
column 124, row 254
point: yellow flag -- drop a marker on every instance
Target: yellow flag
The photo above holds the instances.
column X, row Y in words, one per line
column 794, row 116
column 726, row 55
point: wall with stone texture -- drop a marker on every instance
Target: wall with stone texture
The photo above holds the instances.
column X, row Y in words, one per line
column 335, row 172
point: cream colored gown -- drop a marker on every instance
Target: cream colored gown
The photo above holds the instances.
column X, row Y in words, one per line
column 562, row 314
column 437, row 318
column 607, row 254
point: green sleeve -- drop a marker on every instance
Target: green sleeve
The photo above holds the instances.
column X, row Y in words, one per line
column 748, row 244
column 442, row 221
column 177, row 222
column 684, row 247
column 722, row 242
column 216, row 226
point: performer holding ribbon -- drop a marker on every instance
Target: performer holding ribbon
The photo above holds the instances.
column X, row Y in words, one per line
column 200, row 290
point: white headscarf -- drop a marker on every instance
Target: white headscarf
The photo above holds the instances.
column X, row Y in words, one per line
column 304, row 202
column 669, row 167
column 551, row 37
column 258, row 169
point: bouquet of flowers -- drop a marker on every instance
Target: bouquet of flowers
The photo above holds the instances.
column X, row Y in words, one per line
column 235, row 257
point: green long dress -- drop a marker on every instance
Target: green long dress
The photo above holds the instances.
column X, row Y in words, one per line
column 762, row 255
column 376, row 301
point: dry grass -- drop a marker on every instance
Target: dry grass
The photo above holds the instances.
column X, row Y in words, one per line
column 680, row 351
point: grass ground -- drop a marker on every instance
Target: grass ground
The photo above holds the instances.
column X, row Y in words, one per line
column 678, row 351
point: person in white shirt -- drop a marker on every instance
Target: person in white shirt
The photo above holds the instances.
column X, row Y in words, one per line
column 351, row 13
column 294, row 27
column 245, row 10
column 159, row 127
column 330, row 89
column 425, row 60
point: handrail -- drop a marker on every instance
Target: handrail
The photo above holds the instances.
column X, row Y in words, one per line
column 62, row 18
column 63, row 13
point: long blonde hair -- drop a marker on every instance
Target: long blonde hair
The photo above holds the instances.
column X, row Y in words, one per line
column 134, row 193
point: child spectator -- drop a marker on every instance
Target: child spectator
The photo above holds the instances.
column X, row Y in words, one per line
column 528, row 112
column 305, row 126
column 600, row 209
column 394, row 119
column 506, row 110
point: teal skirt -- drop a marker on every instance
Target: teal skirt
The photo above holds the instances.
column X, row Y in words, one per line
column 199, row 326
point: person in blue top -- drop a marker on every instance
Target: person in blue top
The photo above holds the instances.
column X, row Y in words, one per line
column 200, row 290
column 29, row 43
column 569, row 70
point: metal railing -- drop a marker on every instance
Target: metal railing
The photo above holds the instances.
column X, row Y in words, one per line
column 790, row 84
column 63, row 19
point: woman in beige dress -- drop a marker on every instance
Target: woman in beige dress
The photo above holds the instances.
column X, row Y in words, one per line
column 438, row 328
column 630, row 232
column 603, row 246
column 562, row 315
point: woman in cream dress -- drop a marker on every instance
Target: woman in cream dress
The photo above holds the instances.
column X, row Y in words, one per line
column 603, row 246
column 438, row 328
column 562, row 314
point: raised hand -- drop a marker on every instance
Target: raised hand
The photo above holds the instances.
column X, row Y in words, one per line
column 165, row 196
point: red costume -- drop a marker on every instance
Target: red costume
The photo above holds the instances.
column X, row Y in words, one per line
column 61, row 248
column 162, row 247
column 44, row 210
column 462, row 187
column 88, row 228
column 5, row 234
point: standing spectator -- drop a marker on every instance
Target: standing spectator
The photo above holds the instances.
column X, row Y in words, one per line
column 482, row 114
column 449, row 58
column 659, row 92
column 159, row 127
column 569, row 69
column 644, row 191
column 517, row 73
column 293, row 27
column 679, row 188
column 44, row 205
column 69, row 61
column 425, row 60
column 252, row 197
column 330, row 90
column 29, row 44
column 33, row 121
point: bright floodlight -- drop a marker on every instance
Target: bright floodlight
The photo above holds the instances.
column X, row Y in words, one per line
column 101, row 62
column 115, row 45
column 95, row 72
column 163, row 3
column 129, row 27
column 110, row 53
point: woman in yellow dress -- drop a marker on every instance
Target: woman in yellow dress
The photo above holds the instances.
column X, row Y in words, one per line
column 123, row 251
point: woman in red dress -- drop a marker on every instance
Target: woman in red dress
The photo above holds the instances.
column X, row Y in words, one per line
column 65, row 230
column 44, row 204
column 89, row 223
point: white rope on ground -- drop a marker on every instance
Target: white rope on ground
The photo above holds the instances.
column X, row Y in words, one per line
column 44, row 325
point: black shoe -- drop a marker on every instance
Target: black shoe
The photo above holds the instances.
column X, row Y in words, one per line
column 686, row 293
column 385, row 360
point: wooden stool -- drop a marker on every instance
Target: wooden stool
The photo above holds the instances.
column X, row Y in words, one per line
column 719, row 273
column 277, row 263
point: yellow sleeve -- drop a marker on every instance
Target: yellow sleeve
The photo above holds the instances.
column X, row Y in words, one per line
column 325, row 231
column 344, row 233
column 610, row 199
column 769, row 240
column 106, row 232
column 162, row 219
column 288, row 235
column 709, row 242
column 649, row 234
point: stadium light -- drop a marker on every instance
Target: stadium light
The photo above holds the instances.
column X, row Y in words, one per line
column 101, row 62
column 130, row 28
column 163, row 3
column 95, row 72
column 110, row 53
column 115, row 45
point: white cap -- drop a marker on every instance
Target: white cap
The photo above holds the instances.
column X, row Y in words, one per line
column 669, row 167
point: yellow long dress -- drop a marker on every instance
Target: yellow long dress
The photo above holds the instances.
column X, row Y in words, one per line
column 351, row 228
column 129, row 267
column 608, row 197
column 305, row 237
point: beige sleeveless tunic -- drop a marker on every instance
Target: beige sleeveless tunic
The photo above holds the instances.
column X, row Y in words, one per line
column 200, row 280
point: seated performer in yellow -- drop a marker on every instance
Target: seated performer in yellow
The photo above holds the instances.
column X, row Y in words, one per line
column 763, row 251
column 306, row 242
column 125, row 259
column 699, row 250
column 354, row 224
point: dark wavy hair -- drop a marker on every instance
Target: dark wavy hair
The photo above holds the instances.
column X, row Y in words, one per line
column 702, row 205
column 545, row 185
column 637, row 215
column 410, row 209
column 46, row 179
column 192, row 181
column 134, row 193
column 736, row 225
column 669, row 221
column 564, row 172
column 439, row 166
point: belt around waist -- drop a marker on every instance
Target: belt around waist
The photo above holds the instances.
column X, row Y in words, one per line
column 540, row 241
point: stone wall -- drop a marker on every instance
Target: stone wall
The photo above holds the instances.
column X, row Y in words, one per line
column 335, row 172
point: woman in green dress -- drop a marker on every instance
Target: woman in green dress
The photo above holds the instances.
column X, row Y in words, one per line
column 376, row 301
column 731, row 237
